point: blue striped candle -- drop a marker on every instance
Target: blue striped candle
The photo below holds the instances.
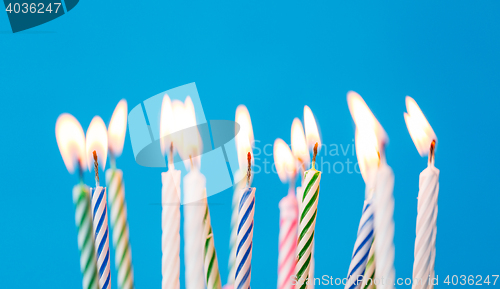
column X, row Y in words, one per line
column 361, row 248
column 244, row 240
column 101, row 233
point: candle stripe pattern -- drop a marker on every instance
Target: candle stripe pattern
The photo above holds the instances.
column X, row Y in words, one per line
column 289, row 215
column 233, row 237
column 383, row 202
column 211, row 266
column 423, row 266
column 101, row 233
column 361, row 248
column 119, row 227
column 245, row 239
column 83, row 218
column 309, row 205
column 170, row 224
column 369, row 275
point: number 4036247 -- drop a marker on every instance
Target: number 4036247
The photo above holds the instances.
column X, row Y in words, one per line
column 33, row 8
column 470, row 280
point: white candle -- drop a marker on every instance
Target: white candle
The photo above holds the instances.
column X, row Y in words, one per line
column 383, row 205
column 194, row 185
column 425, row 140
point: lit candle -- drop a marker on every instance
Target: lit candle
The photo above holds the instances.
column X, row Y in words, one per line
column 289, row 214
column 195, row 193
column 245, row 233
column 116, row 198
column 312, row 138
column 425, row 140
column 244, row 141
column 97, row 149
column 307, row 222
column 383, row 201
column 71, row 142
column 367, row 154
column 170, row 200
column 308, row 203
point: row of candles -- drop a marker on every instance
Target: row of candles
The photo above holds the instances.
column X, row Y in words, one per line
column 373, row 254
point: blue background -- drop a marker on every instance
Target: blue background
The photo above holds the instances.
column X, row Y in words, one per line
column 274, row 58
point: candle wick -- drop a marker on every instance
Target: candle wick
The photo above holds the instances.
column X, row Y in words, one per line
column 315, row 152
column 171, row 156
column 249, row 172
column 112, row 159
column 432, row 152
column 96, row 169
column 80, row 170
column 191, row 160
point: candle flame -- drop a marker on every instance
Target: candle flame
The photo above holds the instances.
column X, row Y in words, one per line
column 97, row 140
column 71, row 141
column 367, row 152
column 284, row 161
column 244, row 139
column 188, row 140
column 299, row 146
column 420, row 130
column 117, row 128
column 364, row 118
column 311, row 128
column 167, row 124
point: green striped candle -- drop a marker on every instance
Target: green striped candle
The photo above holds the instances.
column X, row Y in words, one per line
column 119, row 228
column 83, row 218
column 307, row 222
column 211, row 266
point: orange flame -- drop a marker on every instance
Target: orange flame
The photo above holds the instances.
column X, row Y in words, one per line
column 71, row 141
column 167, row 124
column 364, row 118
column 117, row 128
column 311, row 128
column 420, row 130
column 299, row 146
column 244, row 139
column 284, row 161
column 97, row 140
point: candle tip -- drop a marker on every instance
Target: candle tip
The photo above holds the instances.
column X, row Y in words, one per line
column 315, row 152
column 432, row 151
column 96, row 168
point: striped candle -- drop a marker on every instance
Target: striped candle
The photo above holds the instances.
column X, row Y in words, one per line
column 246, row 211
column 289, row 214
column 211, row 266
column 383, row 203
column 362, row 247
column 233, row 237
column 119, row 228
column 309, row 204
column 425, row 243
column 83, row 218
column 101, row 232
column 170, row 223
column 369, row 275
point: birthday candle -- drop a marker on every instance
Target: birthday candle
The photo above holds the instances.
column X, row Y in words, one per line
column 289, row 214
column 71, row 142
column 97, row 145
column 244, row 142
column 366, row 150
column 425, row 140
column 170, row 200
column 307, row 221
column 380, row 258
column 116, row 198
column 245, row 234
